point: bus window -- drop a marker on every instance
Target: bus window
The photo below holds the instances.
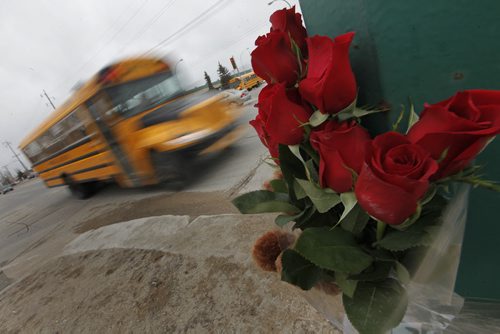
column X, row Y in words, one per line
column 140, row 95
column 33, row 151
column 74, row 129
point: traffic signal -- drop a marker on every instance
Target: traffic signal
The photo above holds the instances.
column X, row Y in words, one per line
column 233, row 63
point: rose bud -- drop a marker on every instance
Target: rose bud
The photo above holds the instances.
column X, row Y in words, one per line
column 394, row 178
column 273, row 59
column 342, row 149
column 259, row 125
column 458, row 128
column 280, row 117
column 289, row 22
column 330, row 84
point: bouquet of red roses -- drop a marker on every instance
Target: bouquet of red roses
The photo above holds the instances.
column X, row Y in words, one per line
column 361, row 204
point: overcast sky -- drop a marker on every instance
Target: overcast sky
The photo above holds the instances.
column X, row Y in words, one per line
column 53, row 44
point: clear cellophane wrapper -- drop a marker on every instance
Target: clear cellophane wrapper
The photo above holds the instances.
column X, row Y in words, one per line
column 433, row 304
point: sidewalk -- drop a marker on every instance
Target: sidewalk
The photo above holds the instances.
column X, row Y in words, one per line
column 160, row 274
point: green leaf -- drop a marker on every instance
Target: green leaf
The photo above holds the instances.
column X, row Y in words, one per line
column 354, row 218
column 382, row 255
column 355, row 222
column 359, row 112
column 435, row 206
column 379, row 270
column 263, row 201
column 311, row 152
column 376, row 307
column 335, row 250
column 291, row 168
column 298, row 271
column 347, row 112
column 412, row 118
column 313, row 171
column 348, row 286
column 429, row 195
column 415, row 235
column 402, row 273
column 395, row 126
column 295, row 149
column 323, row 199
column 279, row 186
column 410, row 220
column 317, row 219
column 282, row 220
column 354, row 112
column 349, row 200
column 299, row 191
column 318, row 118
column 402, row 240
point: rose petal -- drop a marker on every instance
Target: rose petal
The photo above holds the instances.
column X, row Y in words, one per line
column 285, row 118
column 290, row 22
column 348, row 138
column 330, row 84
column 382, row 200
column 273, row 59
column 333, row 172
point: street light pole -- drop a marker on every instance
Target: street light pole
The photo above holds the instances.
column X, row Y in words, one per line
column 48, row 98
column 8, row 144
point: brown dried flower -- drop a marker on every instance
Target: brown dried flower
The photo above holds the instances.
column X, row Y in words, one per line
column 269, row 246
column 278, row 264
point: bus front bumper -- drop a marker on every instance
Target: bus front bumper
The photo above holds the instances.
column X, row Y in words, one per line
column 208, row 143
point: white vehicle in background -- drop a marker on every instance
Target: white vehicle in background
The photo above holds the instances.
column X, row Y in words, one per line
column 234, row 96
column 5, row 188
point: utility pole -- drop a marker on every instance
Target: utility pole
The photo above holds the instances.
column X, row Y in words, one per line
column 48, row 98
column 8, row 144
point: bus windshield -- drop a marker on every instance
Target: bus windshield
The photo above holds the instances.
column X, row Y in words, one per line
column 134, row 97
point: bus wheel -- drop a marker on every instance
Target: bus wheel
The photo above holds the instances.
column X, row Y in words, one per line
column 171, row 169
column 79, row 190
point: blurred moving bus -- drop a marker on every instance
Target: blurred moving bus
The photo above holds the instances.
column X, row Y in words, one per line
column 133, row 124
column 247, row 81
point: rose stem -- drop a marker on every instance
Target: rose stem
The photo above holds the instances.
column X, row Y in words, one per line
column 380, row 229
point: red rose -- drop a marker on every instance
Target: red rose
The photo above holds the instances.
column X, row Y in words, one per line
column 330, row 84
column 342, row 147
column 394, row 178
column 259, row 125
column 273, row 59
column 280, row 117
column 462, row 124
column 289, row 22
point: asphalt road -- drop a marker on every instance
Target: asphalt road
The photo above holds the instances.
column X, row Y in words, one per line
column 36, row 222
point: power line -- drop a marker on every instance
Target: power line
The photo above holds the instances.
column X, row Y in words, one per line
column 103, row 46
column 188, row 25
column 146, row 27
column 245, row 34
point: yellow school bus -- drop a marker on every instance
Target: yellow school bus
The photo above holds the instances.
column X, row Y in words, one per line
column 247, row 81
column 131, row 123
